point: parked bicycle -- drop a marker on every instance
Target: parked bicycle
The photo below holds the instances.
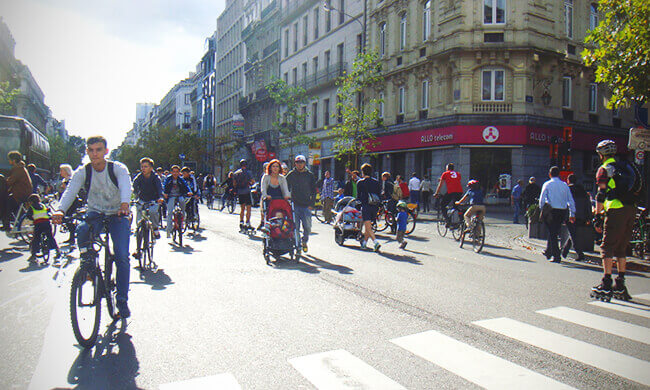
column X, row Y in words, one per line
column 145, row 237
column 91, row 284
column 386, row 218
column 640, row 241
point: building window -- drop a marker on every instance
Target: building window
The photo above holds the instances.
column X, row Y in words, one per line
column 304, row 70
column 593, row 16
column 327, row 60
column 340, row 54
column 294, row 72
column 494, row 11
column 568, row 18
column 314, row 62
column 616, row 112
column 285, row 77
column 359, row 43
column 425, row 95
column 339, row 114
column 402, row 32
column 187, row 98
column 593, row 97
column 381, row 104
column 295, row 37
column 402, row 100
column 382, row 39
column 186, row 117
column 316, row 22
column 305, row 30
column 286, row 43
column 342, row 12
column 566, row 92
column 493, row 85
column 328, row 21
column 314, row 115
column 303, row 117
column 326, row 112
column 426, row 21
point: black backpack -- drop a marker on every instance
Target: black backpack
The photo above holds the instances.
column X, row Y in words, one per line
column 628, row 180
column 89, row 176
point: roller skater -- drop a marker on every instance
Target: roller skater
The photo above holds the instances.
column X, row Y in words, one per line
column 603, row 291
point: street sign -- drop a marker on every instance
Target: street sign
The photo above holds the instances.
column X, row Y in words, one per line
column 639, row 139
column 181, row 156
column 639, row 156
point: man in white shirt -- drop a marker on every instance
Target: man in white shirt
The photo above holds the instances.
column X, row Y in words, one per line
column 108, row 185
column 556, row 194
column 414, row 189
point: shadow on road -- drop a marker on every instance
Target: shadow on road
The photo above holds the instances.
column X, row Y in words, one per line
column 8, row 254
column 34, row 266
column 158, row 279
column 112, row 365
column 518, row 258
column 401, row 258
column 186, row 249
column 196, row 236
column 320, row 263
column 598, row 268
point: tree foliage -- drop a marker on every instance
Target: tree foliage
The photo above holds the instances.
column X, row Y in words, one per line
column 352, row 136
column 7, row 97
column 622, row 50
column 290, row 121
column 64, row 152
column 163, row 145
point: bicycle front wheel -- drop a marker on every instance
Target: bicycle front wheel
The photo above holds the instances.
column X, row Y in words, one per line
column 410, row 223
column 85, row 306
column 478, row 239
column 143, row 239
column 26, row 228
column 441, row 224
column 110, row 285
column 382, row 221
column 318, row 214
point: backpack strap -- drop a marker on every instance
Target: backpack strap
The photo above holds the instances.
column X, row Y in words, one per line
column 89, row 175
column 111, row 173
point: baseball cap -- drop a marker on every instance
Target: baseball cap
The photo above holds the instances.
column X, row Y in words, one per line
column 300, row 157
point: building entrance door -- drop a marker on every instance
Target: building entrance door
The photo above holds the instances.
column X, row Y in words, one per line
column 486, row 164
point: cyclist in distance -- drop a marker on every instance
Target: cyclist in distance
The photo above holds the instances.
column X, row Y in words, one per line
column 108, row 185
column 228, row 193
column 175, row 188
column 148, row 188
column 242, row 181
column 209, row 183
column 454, row 187
column 476, row 206
column 194, row 189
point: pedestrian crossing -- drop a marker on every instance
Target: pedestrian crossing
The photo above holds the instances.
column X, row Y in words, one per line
column 340, row 369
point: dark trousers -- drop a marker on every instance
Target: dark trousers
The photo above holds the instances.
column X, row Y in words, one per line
column 554, row 224
column 40, row 228
column 426, row 201
column 573, row 235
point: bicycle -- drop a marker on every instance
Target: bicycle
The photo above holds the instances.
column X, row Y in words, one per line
column 177, row 223
column 476, row 232
column 85, row 305
column 229, row 201
column 22, row 227
column 384, row 219
column 145, row 237
column 209, row 199
column 194, row 221
column 640, row 241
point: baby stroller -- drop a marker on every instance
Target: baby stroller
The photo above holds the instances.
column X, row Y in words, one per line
column 347, row 223
column 280, row 233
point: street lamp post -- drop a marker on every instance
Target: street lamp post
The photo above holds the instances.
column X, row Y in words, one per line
column 328, row 7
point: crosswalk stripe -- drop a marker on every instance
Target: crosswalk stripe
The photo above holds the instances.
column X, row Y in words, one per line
column 479, row 367
column 341, row 370
column 604, row 324
column 624, row 307
column 617, row 363
column 224, row 381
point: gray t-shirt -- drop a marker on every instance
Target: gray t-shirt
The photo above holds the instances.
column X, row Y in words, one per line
column 103, row 196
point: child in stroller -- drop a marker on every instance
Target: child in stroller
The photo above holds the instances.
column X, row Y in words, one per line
column 347, row 223
column 279, row 232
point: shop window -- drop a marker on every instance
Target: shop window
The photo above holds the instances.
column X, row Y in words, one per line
column 494, row 11
column 493, row 85
column 566, row 92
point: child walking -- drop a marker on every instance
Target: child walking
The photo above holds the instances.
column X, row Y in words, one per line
column 41, row 217
column 402, row 218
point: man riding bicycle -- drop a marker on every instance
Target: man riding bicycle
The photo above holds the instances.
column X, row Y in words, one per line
column 108, row 185
column 454, row 188
column 148, row 189
column 175, row 189
column 194, row 189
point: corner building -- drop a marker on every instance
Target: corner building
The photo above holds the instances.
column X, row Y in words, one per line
column 489, row 85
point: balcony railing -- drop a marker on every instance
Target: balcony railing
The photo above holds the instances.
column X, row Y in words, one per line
column 492, row 107
column 322, row 77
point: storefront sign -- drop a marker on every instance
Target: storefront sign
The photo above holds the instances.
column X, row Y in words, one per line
column 482, row 135
column 259, row 150
column 639, row 139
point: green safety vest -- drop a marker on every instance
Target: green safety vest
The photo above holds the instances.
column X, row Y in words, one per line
column 40, row 214
column 611, row 185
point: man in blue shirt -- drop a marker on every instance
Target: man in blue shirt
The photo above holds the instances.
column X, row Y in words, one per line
column 515, row 200
column 557, row 195
column 37, row 180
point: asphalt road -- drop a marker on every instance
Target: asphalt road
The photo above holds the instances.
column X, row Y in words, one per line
column 433, row 316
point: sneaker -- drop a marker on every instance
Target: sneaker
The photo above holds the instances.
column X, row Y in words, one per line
column 363, row 245
column 304, row 247
column 123, row 309
column 581, row 257
column 377, row 246
column 402, row 245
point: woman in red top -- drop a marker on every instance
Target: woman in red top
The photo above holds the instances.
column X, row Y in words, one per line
column 403, row 186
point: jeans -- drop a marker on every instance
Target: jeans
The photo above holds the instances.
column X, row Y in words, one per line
column 516, row 205
column 415, row 197
column 170, row 210
column 554, row 225
column 303, row 216
column 119, row 230
column 153, row 212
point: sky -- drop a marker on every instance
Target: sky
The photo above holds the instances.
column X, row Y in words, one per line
column 95, row 59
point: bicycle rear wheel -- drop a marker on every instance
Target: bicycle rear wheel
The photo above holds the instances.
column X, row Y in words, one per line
column 110, row 285
column 45, row 247
column 231, row 206
column 381, row 223
column 410, row 223
column 26, row 228
column 318, row 213
column 85, row 306
column 478, row 239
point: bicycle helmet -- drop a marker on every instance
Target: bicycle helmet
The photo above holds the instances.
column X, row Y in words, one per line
column 402, row 204
column 606, row 147
column 243, row 162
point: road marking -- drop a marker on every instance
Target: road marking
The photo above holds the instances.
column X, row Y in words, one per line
column 224, row 381
column 341, row 370
column 625, row 307
column 622, row 365
column 603, row 324
column 479, row 367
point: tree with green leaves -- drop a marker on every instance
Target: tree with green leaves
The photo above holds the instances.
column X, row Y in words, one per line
column 63, row 152
column 290, row 120
column 7, row 97
column 352, row 136
column 621, row 50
